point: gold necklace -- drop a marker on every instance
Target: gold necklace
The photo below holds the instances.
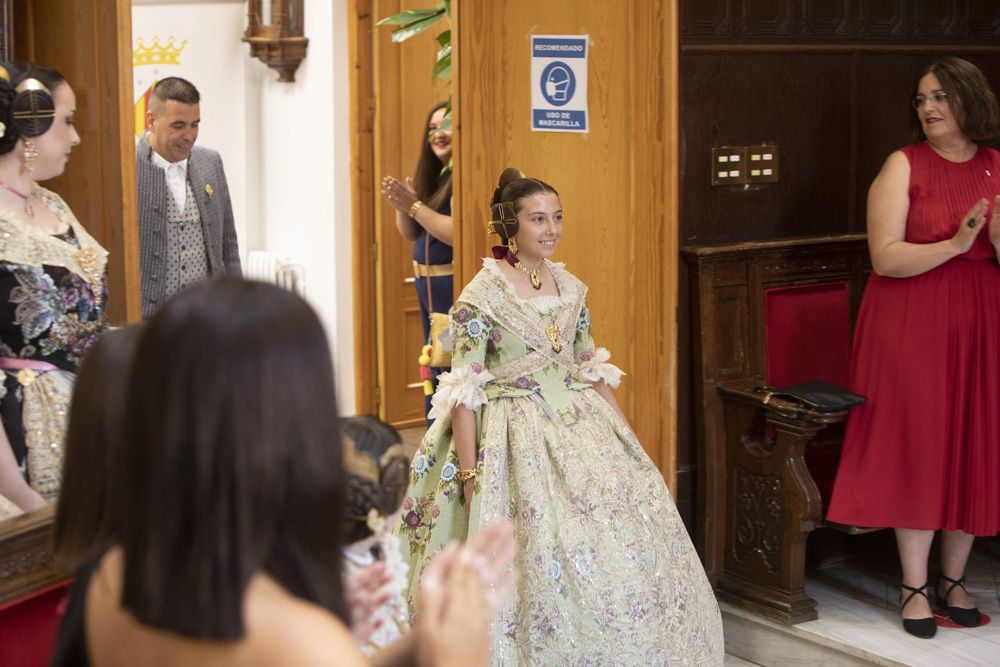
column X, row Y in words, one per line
column 536, row 280
column 28, row 209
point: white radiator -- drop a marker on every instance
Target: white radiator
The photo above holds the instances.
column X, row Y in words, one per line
column 270, row 268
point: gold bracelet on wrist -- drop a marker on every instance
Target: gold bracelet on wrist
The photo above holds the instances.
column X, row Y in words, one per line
column 415, row 207
column 467, row 474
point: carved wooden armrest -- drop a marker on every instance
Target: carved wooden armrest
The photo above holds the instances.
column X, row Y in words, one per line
column 754, row 394
column 26, row 563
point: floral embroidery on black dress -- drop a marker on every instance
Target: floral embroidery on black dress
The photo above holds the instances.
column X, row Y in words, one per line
column 52, row 294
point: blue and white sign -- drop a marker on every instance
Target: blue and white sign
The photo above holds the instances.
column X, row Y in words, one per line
column 559, row 83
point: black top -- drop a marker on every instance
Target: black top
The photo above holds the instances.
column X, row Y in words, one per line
column 71, row 643
column 439, row 251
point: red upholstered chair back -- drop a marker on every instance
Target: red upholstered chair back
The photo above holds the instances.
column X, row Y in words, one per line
column 808, row 337
column 808, row 333
column 28, row 627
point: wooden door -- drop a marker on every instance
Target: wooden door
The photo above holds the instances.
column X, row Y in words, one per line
column 403, row 94
column 99, row 181
column 618, row 183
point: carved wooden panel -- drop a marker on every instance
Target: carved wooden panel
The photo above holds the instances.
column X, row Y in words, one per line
column 868, row 22
column 825, row 18
column 26, row 563
column 984, row 19
column 937, row 19
column 882, row 18
column 758, row 526
column 766, row 18
column 707, row 18
column 731, row 331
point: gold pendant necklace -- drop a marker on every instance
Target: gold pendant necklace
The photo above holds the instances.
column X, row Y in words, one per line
column 536, row 280
column 552, row 333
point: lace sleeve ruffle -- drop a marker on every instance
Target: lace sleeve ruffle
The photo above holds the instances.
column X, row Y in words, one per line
column 462, row 386
column 594, row 367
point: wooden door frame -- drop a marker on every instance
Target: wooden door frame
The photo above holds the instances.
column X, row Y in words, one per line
column 362, row 100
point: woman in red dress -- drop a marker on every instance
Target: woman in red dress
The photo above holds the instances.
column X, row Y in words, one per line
column 923, row 454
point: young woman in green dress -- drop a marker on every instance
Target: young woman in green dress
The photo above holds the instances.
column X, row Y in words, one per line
column 528, row 430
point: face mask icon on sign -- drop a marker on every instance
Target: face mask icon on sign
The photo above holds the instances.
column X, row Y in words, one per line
column 557, row 84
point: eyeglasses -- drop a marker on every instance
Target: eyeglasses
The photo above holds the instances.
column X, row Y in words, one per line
column 939, row 97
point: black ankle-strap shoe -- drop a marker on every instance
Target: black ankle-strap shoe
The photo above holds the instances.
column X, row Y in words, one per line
column 964, row 616
column 925, row 628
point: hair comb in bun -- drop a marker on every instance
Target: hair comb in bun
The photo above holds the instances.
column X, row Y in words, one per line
column 502, row 213
column 34, row 110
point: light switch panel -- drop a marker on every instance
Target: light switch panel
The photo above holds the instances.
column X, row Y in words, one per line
column 729, row 165
column 762, row 164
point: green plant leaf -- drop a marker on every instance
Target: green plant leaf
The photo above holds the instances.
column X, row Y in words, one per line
column 415, row 28
column 447, row 6
column 444, row 39
column 445, row 52
column 446, row 120
column 409, row 16
column 442, row 68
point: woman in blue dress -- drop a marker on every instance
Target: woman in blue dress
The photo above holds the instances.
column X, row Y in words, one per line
column 423, row 215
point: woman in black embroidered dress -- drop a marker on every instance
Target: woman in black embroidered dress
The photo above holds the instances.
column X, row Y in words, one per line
column 52, row 284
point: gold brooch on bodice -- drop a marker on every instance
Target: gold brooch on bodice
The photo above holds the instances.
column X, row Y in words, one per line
column 26, row 376
column 552, row 333
column 89, row 261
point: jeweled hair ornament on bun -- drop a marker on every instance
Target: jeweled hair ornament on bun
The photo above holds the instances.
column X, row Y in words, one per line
column 33, row 109
column 502, row 215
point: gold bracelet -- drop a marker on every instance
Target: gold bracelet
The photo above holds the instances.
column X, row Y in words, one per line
column 467, row 474
column 414, row 208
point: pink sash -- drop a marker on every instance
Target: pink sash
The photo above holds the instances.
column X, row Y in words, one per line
column 9, row 364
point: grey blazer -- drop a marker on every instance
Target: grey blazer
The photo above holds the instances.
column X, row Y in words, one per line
column 211, row 193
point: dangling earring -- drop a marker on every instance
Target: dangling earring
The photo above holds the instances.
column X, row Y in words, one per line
column 30, row 153
column 512, row 245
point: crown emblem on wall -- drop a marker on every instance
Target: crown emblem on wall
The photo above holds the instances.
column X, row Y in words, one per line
column 155, row 54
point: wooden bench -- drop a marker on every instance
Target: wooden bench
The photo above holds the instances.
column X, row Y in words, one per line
column 32, row 588
column 768, row 313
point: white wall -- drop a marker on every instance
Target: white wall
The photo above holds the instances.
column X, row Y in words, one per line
column 304, row 176
column 286, row 146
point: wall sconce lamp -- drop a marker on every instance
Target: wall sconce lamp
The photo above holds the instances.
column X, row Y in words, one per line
column 274, row 32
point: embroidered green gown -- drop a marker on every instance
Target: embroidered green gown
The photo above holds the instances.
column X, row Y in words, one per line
column 607, row 572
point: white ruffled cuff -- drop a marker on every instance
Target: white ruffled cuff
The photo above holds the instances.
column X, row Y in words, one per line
column 597, row 368
column 462, row 386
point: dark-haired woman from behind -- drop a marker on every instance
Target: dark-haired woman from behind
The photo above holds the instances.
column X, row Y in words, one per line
column 52, row 284
column 82, row 526
column 423, row 215
column 528, row 430
column 228, row 503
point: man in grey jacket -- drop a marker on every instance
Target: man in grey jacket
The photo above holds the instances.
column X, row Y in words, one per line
column 186, row 228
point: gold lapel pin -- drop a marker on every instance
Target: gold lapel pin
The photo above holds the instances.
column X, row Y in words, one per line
column 208, row 190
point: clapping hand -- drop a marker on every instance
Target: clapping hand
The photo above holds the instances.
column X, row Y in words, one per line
column 460, row 590
column 401, row 196
column 973, row 223
column 366, row 591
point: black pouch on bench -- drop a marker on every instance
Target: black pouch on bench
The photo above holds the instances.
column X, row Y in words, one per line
column 818, row 395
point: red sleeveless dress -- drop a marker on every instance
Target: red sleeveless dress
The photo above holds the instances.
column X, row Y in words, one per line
column 924, row 451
